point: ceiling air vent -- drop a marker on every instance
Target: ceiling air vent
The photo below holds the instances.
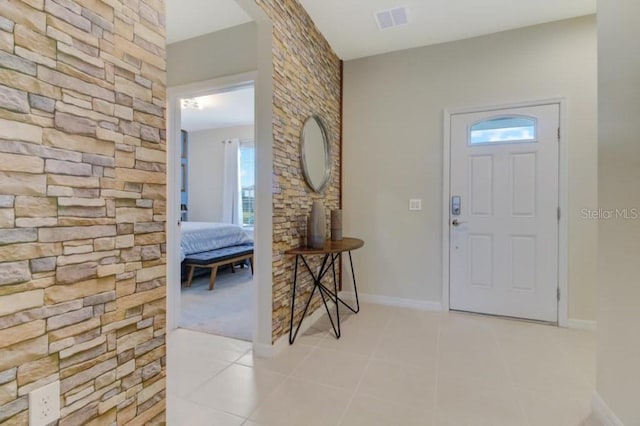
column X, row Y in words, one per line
column 392, row 17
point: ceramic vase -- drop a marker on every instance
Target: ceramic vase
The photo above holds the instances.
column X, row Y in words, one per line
column 316, row 229
column 336, row 225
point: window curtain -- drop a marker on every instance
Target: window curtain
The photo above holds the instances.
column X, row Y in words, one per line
column 232, row 197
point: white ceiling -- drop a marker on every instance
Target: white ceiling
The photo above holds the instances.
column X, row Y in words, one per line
column 227, row 109
column 351, row 29
column 191, row 18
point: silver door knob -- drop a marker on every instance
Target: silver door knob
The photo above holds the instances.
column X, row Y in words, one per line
column 456, row 222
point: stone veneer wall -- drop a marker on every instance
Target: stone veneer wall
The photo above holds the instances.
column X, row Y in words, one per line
column 307, row 81
column 82, row 208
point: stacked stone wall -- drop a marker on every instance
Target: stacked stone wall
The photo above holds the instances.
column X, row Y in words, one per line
column 82, row 208
column 82, row 196
column 307, row 80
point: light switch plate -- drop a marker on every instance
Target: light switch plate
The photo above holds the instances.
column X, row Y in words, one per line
column 44, row 404
column 415, row 204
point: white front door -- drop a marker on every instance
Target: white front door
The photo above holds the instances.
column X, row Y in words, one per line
column 503, row 225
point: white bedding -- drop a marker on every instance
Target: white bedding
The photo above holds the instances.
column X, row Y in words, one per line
column 204, row 236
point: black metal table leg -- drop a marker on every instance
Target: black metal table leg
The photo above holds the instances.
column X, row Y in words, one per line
column 317, row 284
column 334, row 295
column 293, row 302
column 335, row 288
column 355, row 288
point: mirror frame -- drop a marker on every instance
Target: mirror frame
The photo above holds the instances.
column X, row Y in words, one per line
column 327, row 154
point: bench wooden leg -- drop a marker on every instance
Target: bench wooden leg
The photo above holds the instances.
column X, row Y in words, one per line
column 251, row 263
column 233, row 269
column 212, row 280
column 190, row 278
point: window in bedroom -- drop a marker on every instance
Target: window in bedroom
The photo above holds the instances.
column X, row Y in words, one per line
column 247, row 181
column 507, row 129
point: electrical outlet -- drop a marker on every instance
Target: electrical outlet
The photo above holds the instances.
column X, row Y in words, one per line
column 415, row 204
column 44, row 404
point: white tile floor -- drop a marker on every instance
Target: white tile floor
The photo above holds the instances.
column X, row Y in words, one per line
column 392, row 366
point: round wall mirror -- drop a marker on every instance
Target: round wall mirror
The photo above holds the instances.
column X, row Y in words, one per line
column 315, row 153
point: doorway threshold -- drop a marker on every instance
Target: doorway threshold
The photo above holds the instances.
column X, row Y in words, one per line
column 533, row 321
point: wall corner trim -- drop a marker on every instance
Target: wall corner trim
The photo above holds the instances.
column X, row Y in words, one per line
column 603, row 413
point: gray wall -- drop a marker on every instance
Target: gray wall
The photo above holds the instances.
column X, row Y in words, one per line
column 393, row 138
column 618, row 381
column 206, row 170
column 226, row 52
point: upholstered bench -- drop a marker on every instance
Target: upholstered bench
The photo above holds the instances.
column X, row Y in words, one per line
column 214, row 258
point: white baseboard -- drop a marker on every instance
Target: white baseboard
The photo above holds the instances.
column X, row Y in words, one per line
column 578, row 324
column 269, row 351
column 602, row 411
column 424, row 305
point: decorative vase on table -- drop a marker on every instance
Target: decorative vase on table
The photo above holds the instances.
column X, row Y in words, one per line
column 317, row 226
column 336, row 225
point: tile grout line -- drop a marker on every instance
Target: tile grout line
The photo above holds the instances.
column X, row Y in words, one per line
column 229, row 364
column 289, row 375
column 510, row 374
column 496, row 334
column 364, row 371
column 269, row 395
column 189, row 394
column 286, row 377
column 302, row 361
column 437, row 384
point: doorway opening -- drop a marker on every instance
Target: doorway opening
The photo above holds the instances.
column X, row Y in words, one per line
column 504, row 237
column 217, row 206
column 211, row 168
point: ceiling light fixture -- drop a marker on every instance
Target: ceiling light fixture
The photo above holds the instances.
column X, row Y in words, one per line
column 392, row 17
column 191, row 103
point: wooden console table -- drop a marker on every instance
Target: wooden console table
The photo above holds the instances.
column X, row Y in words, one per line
column 331, row 252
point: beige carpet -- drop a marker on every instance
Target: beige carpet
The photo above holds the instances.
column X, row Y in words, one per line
column 225, row 311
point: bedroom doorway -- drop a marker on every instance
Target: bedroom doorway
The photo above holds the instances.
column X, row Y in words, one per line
column 216, row 162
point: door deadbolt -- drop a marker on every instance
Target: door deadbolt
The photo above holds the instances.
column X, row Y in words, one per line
column 455, row 205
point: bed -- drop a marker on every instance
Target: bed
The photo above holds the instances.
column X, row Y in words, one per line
column 198, row 237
